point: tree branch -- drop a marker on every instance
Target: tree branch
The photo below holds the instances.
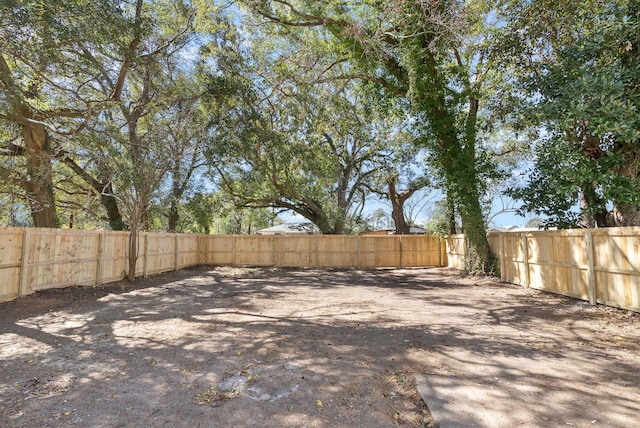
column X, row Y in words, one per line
column 7, row 176
column 16, row 118
column 12, row 91
column 398, row 90
column 128, row 62
column 11, row 149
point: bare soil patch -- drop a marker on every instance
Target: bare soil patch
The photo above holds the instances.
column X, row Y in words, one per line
column 223, row 347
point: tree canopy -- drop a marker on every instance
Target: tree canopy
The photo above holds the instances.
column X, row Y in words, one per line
column 577, row 70
column 172, row 114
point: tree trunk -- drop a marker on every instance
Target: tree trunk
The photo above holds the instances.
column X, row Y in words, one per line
column 39, row 187
column 178, row 186
column 176, row 194
column 594, row 210
column 133, row 252
column 462, row 179
column 475, row 230
column 324, row 224
column 473, row 222
column 238, row 224
column 102, row 187
column 338, row 226
column 397, row 213
column 134, row 232
column 313, row 212
column 397, row 207
column 174, row 216
column 455, row 154
column 451, row 215
column 625, row 215
column 110, row 205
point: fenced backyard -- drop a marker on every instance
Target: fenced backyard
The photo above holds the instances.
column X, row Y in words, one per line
column 304, row 347
column 598, row 265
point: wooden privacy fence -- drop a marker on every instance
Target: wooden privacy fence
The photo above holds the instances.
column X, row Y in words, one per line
column 456, row 249
column 323, row 250
column 33, row 259
column 598, row 265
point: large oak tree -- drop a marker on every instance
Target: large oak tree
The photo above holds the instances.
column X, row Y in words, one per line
column 433, row 54
column 49, row 86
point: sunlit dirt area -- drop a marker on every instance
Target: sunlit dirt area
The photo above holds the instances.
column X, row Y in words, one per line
column 232, row 347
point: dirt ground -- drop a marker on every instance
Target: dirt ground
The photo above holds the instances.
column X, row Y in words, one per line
column 236, row 347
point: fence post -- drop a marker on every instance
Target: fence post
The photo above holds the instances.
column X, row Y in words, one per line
column 525, row 256
column 358, row 244
column 177, row 237
column 443, row 253
column 198, row 236
column 446, row 249
column 273, row 248
column 99, row 258
column 233, row 251
column 145, row 270
column 465, row 251
column 24, row 263
column 591, row 277
column 316, row 238
column 501, row 257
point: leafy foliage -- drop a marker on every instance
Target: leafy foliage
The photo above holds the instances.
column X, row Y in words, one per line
column 430, row 54
column 583, row 89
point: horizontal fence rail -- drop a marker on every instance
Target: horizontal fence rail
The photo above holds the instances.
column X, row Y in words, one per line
column 33, row 259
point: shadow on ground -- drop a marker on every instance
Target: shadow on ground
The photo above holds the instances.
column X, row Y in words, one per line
column 275, row 347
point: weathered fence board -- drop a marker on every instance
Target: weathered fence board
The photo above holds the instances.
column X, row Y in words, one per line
column 600, row 265
column 456, row 251
column 11, row 241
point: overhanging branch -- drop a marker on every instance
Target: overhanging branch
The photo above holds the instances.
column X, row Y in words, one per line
column 11, row 149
